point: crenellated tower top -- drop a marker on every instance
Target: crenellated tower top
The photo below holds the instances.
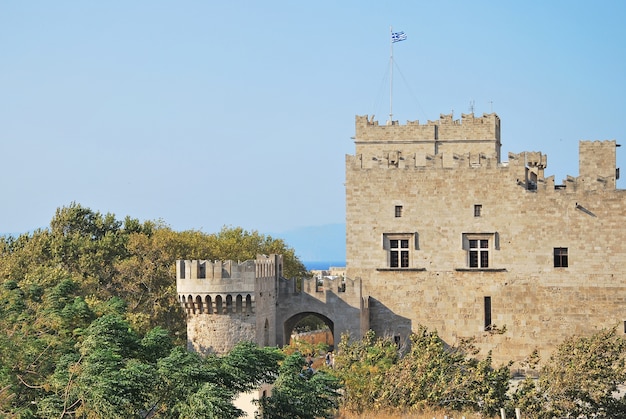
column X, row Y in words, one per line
column 470, row 134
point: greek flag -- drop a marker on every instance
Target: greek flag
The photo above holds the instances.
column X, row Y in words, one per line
column 398, row 36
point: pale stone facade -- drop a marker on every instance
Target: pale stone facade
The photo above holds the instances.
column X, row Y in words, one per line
column 443, row 234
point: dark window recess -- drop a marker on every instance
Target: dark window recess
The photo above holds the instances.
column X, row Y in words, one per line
column 487, row 313
column 398, row 211
column 478, row 210
column 560, row 257
column 399, row 250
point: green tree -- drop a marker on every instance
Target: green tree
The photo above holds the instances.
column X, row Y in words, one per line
column 434, row 375
column 361, row 366
column 300, row 393
column 429, row 375
column 580, row 380
column 58, row 284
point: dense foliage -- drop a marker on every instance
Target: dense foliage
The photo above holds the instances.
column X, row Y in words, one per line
column 91, row 324
column 301, row 393
column 584, row 378
column 429, row 374
column 580, row 380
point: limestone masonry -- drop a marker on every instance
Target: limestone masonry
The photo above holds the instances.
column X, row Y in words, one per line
column 440, row 232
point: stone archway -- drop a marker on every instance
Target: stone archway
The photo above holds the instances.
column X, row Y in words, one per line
column 291, row 323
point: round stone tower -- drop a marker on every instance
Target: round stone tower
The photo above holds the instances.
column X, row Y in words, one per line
column 227, row 302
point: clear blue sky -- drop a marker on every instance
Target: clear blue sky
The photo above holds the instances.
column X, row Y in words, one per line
column 239, row 113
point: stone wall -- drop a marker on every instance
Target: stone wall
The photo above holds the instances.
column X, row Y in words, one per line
column 441, row 203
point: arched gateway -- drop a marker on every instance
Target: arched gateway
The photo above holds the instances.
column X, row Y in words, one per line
column 227, row 302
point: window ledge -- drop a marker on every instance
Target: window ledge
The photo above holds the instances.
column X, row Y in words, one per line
column 480, row 269
column 401, row 269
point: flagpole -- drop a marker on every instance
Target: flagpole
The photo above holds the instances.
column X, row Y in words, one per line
column 393, row 37
column 390, row 75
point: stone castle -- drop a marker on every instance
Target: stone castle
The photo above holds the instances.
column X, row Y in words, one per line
column 440, row 232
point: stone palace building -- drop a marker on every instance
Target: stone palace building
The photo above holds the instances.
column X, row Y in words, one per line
column 441, row 232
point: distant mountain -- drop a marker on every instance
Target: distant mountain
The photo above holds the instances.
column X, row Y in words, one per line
column 325, row 243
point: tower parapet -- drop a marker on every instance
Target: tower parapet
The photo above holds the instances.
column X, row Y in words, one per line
column 475, row 135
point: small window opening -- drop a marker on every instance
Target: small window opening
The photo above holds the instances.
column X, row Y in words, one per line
column 487, row 304
column 560, row 257
column 478, row 210
column 398, row 211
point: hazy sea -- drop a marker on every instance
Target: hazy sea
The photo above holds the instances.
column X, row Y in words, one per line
column 319, row 266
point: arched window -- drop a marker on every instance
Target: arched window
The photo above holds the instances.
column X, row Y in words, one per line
column 218, row 304
column 190, row 307
column 199, row 307
column 238, row 304
column 248, row 304
column 229, row 304
column 209, row 305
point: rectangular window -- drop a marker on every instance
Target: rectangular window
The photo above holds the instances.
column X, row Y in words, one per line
column 478, row 253
column 398, row 211
column 477, row 210
column 399, row 253
column 487, row 304
column 479, row 249
column 560, row 257
column 398, row 247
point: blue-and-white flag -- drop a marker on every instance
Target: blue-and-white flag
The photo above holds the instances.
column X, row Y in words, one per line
column 398, row 36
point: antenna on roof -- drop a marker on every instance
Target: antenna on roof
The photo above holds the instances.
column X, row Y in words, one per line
column 471, row 106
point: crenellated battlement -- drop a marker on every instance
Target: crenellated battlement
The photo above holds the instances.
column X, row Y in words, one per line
column 340, row 286
column 398, row 160
column 597, row 169
column 192, row 274
column 470, row 134
column 597, row 166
